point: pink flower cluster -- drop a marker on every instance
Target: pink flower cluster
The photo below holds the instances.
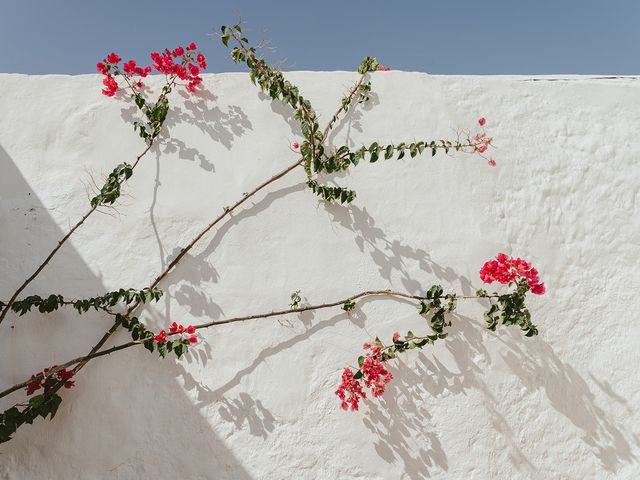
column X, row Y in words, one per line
column 353, row 388
column 63, row 375
column 374, row 375
column 185, row 64
column 186, row 70
column 505, row 269
column 177, row 328
column 382, row 68
column 481, row 142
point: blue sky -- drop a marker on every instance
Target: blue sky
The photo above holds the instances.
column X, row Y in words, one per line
column 435, row 36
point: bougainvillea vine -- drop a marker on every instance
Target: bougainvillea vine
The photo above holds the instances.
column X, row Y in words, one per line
column 505, row 309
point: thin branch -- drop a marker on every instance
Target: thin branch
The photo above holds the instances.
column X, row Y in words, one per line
column 348, row 98
column 7, row 307
column 185, row 250
column 203, row 326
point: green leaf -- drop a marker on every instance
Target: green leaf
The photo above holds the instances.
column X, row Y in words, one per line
column 388, row 153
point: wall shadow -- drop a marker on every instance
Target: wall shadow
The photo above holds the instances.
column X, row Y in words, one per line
column 400, row 424
column 47, row 448
column 199, row 110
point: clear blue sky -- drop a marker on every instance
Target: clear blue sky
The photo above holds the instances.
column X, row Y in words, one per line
column 436, row 36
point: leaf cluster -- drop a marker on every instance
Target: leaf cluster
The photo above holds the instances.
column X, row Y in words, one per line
column 156, row 114
column 316, row 158
column 111, row 299
column 510, row 309
column 42, row 405
column 110, row 191
column 437, row 304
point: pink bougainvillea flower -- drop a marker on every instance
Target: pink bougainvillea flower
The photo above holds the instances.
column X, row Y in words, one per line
column 129, row 67
column 177, row 63
column 538, row 289
column 191, row 329
column 353, row 388
column 113, row 58
column 492, row 163
column 202, row 61
column 111, row 86
column 295, row 145
column 193, row 339
column 60, row 376
column 382, row 68
column 482, row 121
column 505, row 269
column 375, row 376
column 160, row 337
column 34, row 386
column 396, row 336
column 481, row 148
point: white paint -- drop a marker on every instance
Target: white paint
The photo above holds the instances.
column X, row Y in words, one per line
column 256, row 400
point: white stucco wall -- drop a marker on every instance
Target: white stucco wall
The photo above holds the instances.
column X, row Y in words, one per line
column 256, row 400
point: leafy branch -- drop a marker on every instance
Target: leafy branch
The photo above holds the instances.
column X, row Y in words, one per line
column 109, row 300
column 110, row 191
column 144, row 335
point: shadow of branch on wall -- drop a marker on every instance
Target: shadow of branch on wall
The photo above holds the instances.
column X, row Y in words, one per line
column 539, row 368
column 352, row 120
column 201, row 111
column 403, row 424
column 392, row 255
column 130, row 400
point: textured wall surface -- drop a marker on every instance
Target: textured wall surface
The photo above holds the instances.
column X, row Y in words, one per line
column 255, row 400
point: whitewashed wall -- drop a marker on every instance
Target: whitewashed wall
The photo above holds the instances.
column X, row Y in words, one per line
column 256, row 399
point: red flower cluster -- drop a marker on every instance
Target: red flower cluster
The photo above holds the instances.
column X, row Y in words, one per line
column 352, row 387
column 505, row 269
column 382, row 68
column 160, row 337
column 178, row 63
column 177, row 328
column 185, row 69
column 374, row 375
column 63, row 375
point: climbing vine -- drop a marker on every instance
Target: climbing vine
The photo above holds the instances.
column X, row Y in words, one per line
column 320, row 160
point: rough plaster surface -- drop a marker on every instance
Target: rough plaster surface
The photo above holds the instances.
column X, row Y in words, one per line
column 256, row 400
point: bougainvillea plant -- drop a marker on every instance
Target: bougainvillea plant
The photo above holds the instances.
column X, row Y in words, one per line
column 320, row 159
column 505, row 309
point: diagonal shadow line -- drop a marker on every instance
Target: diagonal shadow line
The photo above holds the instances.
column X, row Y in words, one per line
column 32, row 452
